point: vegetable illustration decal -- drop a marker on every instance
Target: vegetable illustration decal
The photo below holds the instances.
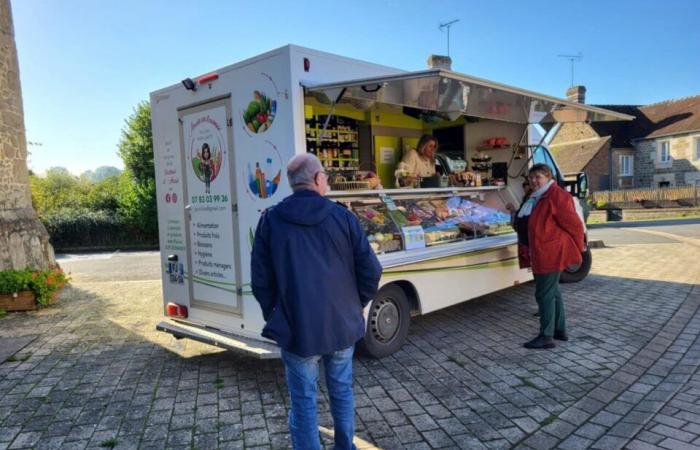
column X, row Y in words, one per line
column 260, row 113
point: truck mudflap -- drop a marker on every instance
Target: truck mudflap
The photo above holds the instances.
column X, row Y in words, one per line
column 252, row 347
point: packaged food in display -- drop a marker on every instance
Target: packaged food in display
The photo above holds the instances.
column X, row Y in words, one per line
column 380, row 229
column 439, row 236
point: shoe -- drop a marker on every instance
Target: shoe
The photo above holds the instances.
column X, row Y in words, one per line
column 561, row 336
column 540, row 342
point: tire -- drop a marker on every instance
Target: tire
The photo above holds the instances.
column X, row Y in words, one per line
column 387, row 323
column 574, row 274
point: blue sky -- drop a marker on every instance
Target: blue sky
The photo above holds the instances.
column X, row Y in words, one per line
column 85, row 64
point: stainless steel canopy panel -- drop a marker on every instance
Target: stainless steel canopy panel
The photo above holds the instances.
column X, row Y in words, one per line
column 450, row 94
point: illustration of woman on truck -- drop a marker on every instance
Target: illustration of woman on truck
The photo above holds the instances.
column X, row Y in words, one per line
column 206, row 166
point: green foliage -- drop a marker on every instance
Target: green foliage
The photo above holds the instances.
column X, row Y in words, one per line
column 3, row 313
column 106, row 208
column 75, row 228
column 137, row 205
column 58, row 189
column 136, row 144
column 12, row 281
column 44, row 283
column 104, row 195
column 109, row 443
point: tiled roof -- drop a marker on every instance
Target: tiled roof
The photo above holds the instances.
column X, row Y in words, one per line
column 655, row 120
column 574, row 157
column 620, row 131
column 674, row 116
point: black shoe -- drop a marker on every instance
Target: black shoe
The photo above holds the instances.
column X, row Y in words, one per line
column 561, row 336
column 540, row 342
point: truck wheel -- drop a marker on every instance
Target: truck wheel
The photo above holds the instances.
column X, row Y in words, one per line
column 387, row 323
column 577, row 272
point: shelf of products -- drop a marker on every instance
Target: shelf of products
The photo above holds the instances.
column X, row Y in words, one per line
column 481, row 163
column 426, row 220
column 337, row 146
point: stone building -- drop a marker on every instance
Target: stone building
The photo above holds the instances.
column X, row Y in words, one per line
column 23, row 239
column 660, row 147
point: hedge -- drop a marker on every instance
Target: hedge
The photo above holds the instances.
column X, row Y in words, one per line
column 72, row 230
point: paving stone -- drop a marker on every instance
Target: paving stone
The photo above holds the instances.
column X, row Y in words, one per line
column 591, row 431
column 674, row 433
column 675, row 444
column 25, row 440
column 606, row 419
column 609, row 443
column 407, row 434
column 438, row 438
column 640, row 445
column 575, row 443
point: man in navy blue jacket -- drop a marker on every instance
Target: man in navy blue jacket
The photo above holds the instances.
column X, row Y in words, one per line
column 313, row 272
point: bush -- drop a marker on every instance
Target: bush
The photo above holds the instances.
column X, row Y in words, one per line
column 81, row 228
column 43, row 283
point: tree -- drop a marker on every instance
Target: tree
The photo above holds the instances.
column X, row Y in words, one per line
column 58, row 190
column 137, row 202
column 136, row 144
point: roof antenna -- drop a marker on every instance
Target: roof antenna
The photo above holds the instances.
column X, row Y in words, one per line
column 447, row 25
column 572, row 58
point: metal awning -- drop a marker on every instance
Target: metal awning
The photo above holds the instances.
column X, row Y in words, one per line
column 450, row 95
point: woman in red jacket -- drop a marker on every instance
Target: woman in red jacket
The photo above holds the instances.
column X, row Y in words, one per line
column 555, row 240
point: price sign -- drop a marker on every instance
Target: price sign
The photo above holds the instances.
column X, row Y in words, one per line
column 413, row 236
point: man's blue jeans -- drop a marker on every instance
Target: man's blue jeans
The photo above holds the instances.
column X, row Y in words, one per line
column 302, row 382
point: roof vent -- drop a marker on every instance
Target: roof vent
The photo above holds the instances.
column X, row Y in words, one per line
column 439, row 62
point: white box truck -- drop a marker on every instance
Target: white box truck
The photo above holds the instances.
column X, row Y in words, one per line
column 222, row 141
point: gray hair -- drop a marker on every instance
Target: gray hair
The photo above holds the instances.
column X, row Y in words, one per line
column 302, row 170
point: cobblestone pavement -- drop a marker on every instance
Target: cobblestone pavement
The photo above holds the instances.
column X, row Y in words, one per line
column 98, row 374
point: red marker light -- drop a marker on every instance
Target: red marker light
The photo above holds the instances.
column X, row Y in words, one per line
column 208, row 78
column 307, row 64
column 175, row 310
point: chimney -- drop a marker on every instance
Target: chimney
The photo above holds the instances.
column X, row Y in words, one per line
column 439, row 62
column 576, row 94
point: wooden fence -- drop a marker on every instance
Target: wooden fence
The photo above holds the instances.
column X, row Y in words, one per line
column 671, row 197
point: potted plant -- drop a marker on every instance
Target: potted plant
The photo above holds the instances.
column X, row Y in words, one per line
column 27, row 289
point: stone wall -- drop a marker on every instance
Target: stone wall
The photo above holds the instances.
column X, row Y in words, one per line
column 573, row 131
column 23, row 239
column 683, row 168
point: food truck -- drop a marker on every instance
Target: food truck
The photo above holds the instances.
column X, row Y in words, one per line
column 221, row 143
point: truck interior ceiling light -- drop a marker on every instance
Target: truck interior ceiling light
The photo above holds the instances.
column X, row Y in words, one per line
column 208, row 78
column 189, row 84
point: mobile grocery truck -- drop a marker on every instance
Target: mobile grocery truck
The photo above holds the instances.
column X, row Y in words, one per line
column 222, row 141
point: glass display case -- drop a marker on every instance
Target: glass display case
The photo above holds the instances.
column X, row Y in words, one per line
column 406, row 219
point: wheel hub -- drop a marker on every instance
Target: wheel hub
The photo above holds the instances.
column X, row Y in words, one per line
column 385, row 320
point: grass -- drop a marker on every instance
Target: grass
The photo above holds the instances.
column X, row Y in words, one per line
column 3, row 313
column 457, row 361
column 528, row 383
column 219, row 383
column 548, row 420
column 109, row 443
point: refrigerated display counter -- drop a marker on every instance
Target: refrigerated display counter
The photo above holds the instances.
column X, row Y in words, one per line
column 404, row 224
